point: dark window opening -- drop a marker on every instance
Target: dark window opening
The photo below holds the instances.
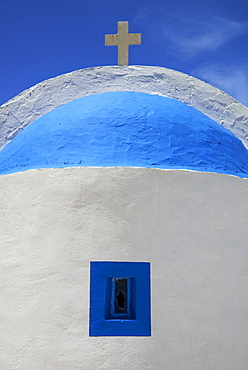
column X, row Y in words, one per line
column 120, row 295
column 120, row 298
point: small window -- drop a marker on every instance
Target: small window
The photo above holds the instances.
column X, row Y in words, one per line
column 120, row 299
column 121, row 296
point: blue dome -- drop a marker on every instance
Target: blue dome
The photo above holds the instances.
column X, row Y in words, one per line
column 126, row 129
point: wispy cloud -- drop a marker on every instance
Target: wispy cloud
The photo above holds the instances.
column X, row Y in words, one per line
column 233, row 80
column 196, row 36
column 189, row 36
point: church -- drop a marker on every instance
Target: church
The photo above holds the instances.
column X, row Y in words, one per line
column 124, row 209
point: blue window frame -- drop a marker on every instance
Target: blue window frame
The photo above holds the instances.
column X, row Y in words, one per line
column 120, row 299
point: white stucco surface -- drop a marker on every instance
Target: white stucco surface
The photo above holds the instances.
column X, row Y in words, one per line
column 40, row 99
column 191, row 226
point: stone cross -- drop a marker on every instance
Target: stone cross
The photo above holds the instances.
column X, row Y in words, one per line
column 123, row 39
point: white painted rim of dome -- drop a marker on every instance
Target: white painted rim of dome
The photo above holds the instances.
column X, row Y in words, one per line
column 28, row 106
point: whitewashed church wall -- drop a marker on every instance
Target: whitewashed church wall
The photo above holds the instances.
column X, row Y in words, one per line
column 40, row 99
column 191, row 226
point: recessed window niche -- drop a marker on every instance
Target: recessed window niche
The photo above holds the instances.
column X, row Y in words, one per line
column 120, row 299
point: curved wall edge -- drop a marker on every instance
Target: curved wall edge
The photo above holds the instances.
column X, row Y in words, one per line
column 126, row 129
column 19, row 112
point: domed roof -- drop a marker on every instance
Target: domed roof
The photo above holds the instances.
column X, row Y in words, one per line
column 126, row 129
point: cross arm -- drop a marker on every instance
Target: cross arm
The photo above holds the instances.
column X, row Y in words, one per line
column 111, row 40
column 134, row 38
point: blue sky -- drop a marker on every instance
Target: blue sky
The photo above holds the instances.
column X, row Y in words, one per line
column 41, row 39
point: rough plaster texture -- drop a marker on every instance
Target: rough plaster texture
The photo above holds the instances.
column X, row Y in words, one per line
column 191, row 226
column 126, row 129
column 40, row 99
